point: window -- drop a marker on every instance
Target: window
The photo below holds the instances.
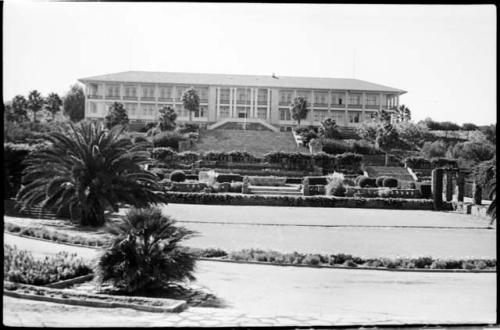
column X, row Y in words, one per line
column 179, row 91
column 200, row 113
column 339, row 117
column 93, row 108
column 148, row 91
column 203, row 94
column 166, row 92
column 321, row 98
column 262, row 96
column 320, row 115
column 286, row 97
column 354, row 117
column 372, row 99
column 242, row 112
column 224, row 112
column 262, row 113
column 243, row 95
column 355, row 99
column 113, row 91
column 285, row 114
column 130, row 91
column 131, row 108
column 338, row 98
column 224, row 95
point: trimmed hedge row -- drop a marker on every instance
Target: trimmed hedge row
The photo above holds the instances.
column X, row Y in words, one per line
column 308, row 201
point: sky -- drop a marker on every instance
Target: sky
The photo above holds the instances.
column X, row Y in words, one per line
column 444, row 56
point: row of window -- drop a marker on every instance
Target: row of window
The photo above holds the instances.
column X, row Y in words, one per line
column 242, row 95
column 164, row 92
column 321, row 98
column 241, row 112
column 339, row 117
column 150, row 110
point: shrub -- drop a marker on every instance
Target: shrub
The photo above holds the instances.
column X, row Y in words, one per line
column 417, row 162
column 213, row 253
column 168, row 139
column 423, row 262
column 335, row 147
column 474, row 152
column 363, row 147
column 317, row 180
column 349, row 159
column 177, row 176
column 236, row 187
column 384, row 192
column 312, row 259
column 444, row 162
column 193, row 177
column 229, row 178
column 145, row 254
column 162, row 153
column 380, row 180
column 188, row 128
column 335, row 186
column 469, row 127
column 425, row 190
column 434, row 149
column 390, row 182
column 366, row 182
column 21, row 267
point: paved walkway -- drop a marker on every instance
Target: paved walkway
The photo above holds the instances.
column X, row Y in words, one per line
column 254, row 295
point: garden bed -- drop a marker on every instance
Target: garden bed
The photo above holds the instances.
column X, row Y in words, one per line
column 308, row 201
column 25, row 291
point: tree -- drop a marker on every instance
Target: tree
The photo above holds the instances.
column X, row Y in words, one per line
column 145, row 254
column 387, row 138
column 485, row 174
column 299, row 109
column 403, row 113
column 74, row 103
column 433, row 149
column 167, row 118
column 412, row 134
column 117, row 115
column 469, row 127
column 191, row 101
column 35, row 103
column 329, row 129
column 89, row 170
column 53, row 104
column 19, row 106
column 473, row 152
column 368, row 131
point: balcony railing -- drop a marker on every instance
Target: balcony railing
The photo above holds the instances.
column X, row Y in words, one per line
column 262, row 102
column 247, row 102
column 333, row 105
column 371, row 106
column 321, row 105
column 203, row 100
column 147, row 98
column 285, row 103
column 112, row 97
column 165, row 99
column 94, row 96
column 355, row 106
column 130, row 97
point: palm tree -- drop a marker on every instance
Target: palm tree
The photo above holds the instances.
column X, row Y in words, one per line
column 145, row 252
column 191, row 101
column 53, row 104
column 89, row 170
column 19, row 108
column 299, row 109
column 35, row 103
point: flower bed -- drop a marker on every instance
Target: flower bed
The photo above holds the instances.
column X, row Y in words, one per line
column 347, row 260
column 187, row 186
column 267, row 180
column 93, row 300
column 310, row 201
column 21, row 267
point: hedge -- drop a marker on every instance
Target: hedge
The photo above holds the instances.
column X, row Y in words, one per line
column 444, row 162
column 317, row 180
column 229, row 178
column 306, row 201
column 366, row 182
column 177, row 176
column 417, row 162
column 390, row 182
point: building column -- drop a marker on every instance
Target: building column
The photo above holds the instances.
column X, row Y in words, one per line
column 397, row 101
column 138, row 94
column 380, row 102
column 329, row 103
column 217, row 103
column 269, row 105
column 346, row 108
column 363, row 106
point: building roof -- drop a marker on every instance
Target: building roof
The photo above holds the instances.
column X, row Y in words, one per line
column 242, row 80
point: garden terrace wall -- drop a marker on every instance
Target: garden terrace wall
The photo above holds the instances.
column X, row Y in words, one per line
column 306, row 201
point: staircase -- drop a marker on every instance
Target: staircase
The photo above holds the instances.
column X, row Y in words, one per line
column 39, row 213
column 243, row 123
column 288, row 190
column 400, row 173
column 257, row 143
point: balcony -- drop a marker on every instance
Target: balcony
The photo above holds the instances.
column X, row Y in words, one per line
column 337, row 106
column 203, row 100
column 285, row 103
column 112, row 97
column 243, row 102
column 165, row 99
column 320, row 105
column 148, row 98
column 262, row 102
column 371, row 106
column 355, row 106
column 133, row 98
column 94, row 96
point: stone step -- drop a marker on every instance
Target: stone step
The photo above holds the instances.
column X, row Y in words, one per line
column 276, row 193
column 274, row 188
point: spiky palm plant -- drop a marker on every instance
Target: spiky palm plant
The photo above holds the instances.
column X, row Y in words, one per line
column 145, row 253
column 89, row 170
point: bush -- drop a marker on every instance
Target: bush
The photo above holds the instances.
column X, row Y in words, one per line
column 423, row 262
column 145, row 254
column 236, row 187
column 366, row 182
column 177, row 176
column 317, row 180
column 425, row 190
column 390, row 183
column 168, row 139
column 162, row 153
column 380, row 180
column 434, row 149
column 21, row 267
column 335, row 186
column 229, row 178
column 349, row 160
column 474, row 152
column 334, row 147
column 417, row 162
column 188, row 128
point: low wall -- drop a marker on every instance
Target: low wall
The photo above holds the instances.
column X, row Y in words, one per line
column 306, row 201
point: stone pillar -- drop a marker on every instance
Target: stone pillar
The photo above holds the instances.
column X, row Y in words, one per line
column 460, row 186
column 449, row 186
column 437, row 188
column 305, row 186
column 245, row 187
column 477, row 193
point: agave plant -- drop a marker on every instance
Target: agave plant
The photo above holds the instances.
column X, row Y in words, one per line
column 145, row 253
column 89, row 170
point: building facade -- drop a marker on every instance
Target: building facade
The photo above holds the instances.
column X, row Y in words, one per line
column 225, row 98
